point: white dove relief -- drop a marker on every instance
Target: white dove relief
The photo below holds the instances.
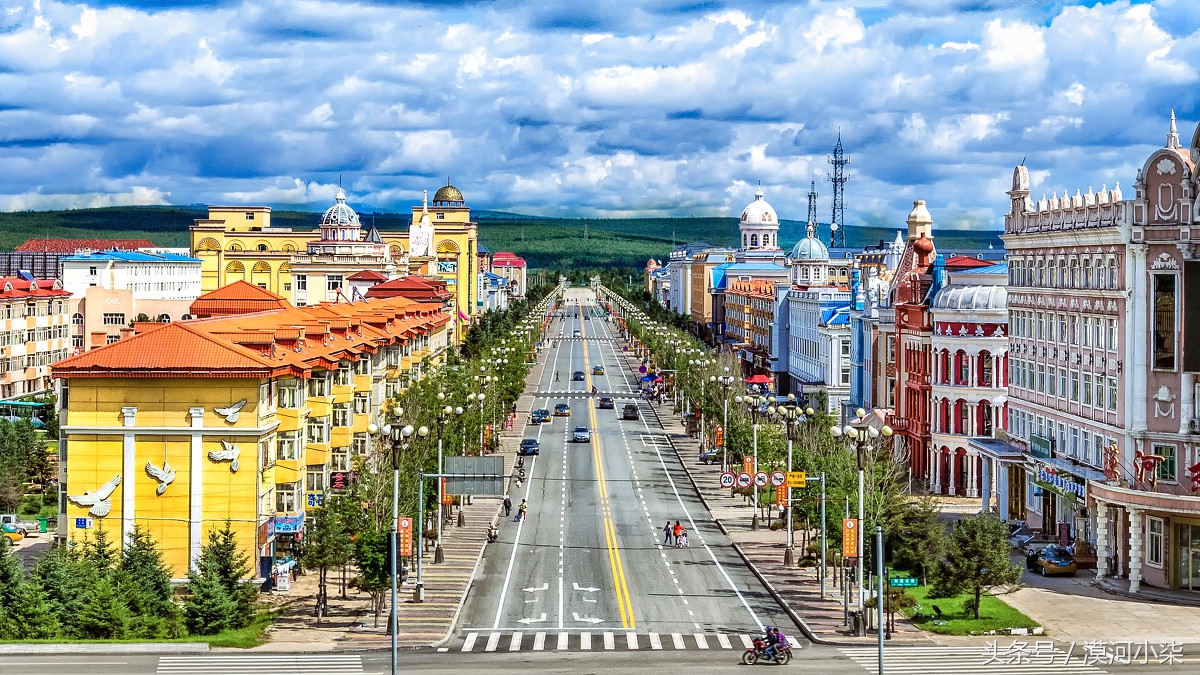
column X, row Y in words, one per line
column 165, row 476
column 231, row 413
column 231, row 453
column 100, row 500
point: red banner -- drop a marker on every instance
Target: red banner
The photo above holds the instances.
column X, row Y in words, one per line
column 781, row 495
column 719, row 436
column 850, row 537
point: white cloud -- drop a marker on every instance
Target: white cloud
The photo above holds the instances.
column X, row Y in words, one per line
column 837, row 28
column 1013, row 45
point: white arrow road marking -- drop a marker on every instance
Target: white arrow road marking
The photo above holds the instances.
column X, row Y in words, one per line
column 532, row 620
column 593, row 600
column 536, row 599
column 535, row 590
column 590, row 619
column 589, row 589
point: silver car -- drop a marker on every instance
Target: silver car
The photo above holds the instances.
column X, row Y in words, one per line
column 582, row 435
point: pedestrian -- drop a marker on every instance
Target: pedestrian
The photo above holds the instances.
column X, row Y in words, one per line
column 683, row 540
column 507, row 506
column 668, row 535
column 522, row 510
column 676, row 531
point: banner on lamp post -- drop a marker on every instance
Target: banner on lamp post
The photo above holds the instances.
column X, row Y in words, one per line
column 404, row 528
column 780, row 495
column 850, row 537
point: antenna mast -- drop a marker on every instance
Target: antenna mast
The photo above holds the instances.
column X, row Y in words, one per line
column 812, row 202
column 837, row 224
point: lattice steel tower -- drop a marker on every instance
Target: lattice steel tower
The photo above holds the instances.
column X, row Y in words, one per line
column 837, row 223
column 812, row 202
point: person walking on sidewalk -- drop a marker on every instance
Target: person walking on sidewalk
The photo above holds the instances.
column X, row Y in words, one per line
column 676, row 531
column 507, row 506
column 668, row 535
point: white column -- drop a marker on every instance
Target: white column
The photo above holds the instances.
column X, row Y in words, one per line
column 1187, row 393
column 951, row 473
column 1135, row 350
column 128, row 471
column 972, row 474
column 1002, row 473
column 985, row 465
column 1135, row 549
column 935, row 466
column 196, row 486
column 1101, row 539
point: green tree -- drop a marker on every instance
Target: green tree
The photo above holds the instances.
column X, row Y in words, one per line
column 977, row 561
column 209, row 609
column 145, row 584
column 221, row 557
column 374, row 576
column 30, row 616
column 104, row 615
column 326, row 545
column 920, row 541
column 65, row 583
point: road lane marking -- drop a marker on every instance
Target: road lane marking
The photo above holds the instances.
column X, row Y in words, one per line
column 610, row 642
column 562, row 642
column 701, row 643
column 631, row 640
column 677, row 639
column 514, row 645
column 585, row 640
column 723, row 639
column 470, row 642
column 655, row 641
column 539, row 641
column 493, row 640
column 512, row 559
column 747, row 642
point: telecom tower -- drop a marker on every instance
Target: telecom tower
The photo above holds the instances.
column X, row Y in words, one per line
column 837, row 224
column 812, row 203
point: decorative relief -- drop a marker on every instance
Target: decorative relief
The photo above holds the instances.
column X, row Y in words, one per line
column 229, row 454
column 100, row 501
column 1165, row 261
column 165, row 476
column 1164, row 396
column 231, row 413
column 1165, row 167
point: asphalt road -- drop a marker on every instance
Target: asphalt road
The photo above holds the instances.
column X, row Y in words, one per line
column 589, row 559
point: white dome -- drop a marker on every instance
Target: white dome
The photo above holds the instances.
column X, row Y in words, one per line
column 809, row 248
column 340, row 213
column 759, row 212
column 971, row 298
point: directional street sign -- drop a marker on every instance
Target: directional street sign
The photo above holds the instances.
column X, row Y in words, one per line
column 778, row 478
column 903, row 582
column 797, row 479
column 728, row 479
column 744, row 479
column 761, row 478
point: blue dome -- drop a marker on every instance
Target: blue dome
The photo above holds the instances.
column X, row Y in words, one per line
column 809, row 248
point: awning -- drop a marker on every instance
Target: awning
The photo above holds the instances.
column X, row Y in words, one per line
column 758, row 379
column 651, row 378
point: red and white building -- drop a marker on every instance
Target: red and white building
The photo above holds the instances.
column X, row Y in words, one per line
column 512, row 267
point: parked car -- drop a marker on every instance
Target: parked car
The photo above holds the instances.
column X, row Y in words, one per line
column 630, row 412
column 25, row 527
column 562, row 410
column 11, row 533
column 710, row 457
column 581, row 435
column 529, row 446
column 606, row 402
column 577, row 376
column 597, row 370
column 1051, row 560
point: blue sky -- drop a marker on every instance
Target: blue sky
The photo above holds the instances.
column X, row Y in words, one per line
column 561, row 107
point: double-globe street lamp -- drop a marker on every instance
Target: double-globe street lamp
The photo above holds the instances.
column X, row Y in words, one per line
column 443, row 417
column 753, row 405
column 791, row 415
column 858, row 433
column 725, row 381
column 395, row 434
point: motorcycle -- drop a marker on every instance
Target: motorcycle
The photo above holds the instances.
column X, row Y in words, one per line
column 492, row 534
column 783, row 653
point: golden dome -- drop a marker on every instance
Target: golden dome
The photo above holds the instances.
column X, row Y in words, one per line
column 448, row 193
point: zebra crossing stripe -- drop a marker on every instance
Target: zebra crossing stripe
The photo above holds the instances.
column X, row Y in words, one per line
column 514, row 645
column 746, row 641
column 796, row 643
column 677, row 638
column 631, row 640
column 539, row 641
column 469, row 644
column 585, row 640
column 610, row 641
column 723, row 639
column 562, row 642
column 701, row 643
column 493, row 640
column 655, row 641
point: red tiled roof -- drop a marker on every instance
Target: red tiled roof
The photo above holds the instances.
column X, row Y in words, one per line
column 15, row 287
column 367, row 275
column 240, row 297
column 411, row 287
column 507, row 259
column 177, row 349
column 69, row 246
column 962, row 261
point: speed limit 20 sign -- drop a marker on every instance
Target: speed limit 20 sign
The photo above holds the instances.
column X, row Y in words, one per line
column 728, row 480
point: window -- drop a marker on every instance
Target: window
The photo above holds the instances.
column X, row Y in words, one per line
column 1062, row 381
column 361, row 444
column 249, row 215
column 1049, row 380
column 333, row 283
column 318, row 430
column 1154, row 541
column 341, row 414
column 76, row 319
column 77, row 341
column 301, row 281
column 362, row 403
column 285, row 445
column 318, row 384
column 1074, row 386
column 289, row 396
column 1112, row 393
column 114, row 318
column 1087, row 388
column 1112, row 334
column 1087, row 331
column 109, row 339
column 341, row 377
column 1041, row 378
column 285, row 497
column 339, row 459
column 1163, row 299
column 315, row 478
column 1166, row 468
column 265, row 455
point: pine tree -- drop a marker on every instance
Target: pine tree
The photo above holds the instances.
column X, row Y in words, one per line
column 30, row 616
column 99, row 552
column 222, row 557
column 208, row 609
column 12, row 575
column 977, row 561
column 104, row 615
column 65, row 582
column 145, row 585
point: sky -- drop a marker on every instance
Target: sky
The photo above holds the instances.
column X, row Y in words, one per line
column 593, row 109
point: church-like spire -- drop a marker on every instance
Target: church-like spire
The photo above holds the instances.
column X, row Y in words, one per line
column 1173, row 134
column 425, row 202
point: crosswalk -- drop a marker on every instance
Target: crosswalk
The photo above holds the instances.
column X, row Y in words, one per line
column 598, row 641
column 1031, row 659
column 268, row 664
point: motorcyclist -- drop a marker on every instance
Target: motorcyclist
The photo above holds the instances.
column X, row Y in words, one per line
column 772, row 638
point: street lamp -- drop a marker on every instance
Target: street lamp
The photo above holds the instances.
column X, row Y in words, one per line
column 726, row 381
column 858, row 432
column 752, row 405
column 394, row 434
column 442, row 418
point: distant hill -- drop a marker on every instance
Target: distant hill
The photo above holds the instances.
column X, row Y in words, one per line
column 543, row 242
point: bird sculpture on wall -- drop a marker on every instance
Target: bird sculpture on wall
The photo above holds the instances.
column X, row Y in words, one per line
column 165, row 476
column 100, row 501
column 230, row 453
column 231, row 413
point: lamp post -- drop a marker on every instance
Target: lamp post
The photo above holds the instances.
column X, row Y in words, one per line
column 790, row 415
column 752, row 404
column 442, row 418
column 726, row 381
column 481, row 398
column 858, row 432
column 394, row 434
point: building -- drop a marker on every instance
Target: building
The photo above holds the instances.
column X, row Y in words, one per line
column 679, row 266
column 513, row 268
column 817, row 314
column 239, row 243
column 970, row 376
column 750, row 323
column 240, row 418
column 110, row 290
column 33, row 333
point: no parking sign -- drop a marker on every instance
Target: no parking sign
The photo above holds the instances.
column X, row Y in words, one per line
column 761, row 478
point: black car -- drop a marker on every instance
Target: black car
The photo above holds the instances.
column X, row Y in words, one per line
column 606, row 402
column 710, row 457
column 529, row 446
column 577, row 376
column 630, row 412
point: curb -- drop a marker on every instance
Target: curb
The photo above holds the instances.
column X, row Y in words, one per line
column 103, row 648
column 466, row 591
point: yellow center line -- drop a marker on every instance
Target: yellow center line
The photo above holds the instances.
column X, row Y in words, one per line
column 610, row 530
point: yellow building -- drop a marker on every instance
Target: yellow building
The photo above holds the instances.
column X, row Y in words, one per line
column 249, row 418
column 238, row 243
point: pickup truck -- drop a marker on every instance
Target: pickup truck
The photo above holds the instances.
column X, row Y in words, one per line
column 25, row 527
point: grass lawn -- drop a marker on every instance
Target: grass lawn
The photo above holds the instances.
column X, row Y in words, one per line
column 994, row 614
column 242, row 638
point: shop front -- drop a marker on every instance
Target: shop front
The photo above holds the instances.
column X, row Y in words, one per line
column 1185, row 551
column 1147, row 537
column 289, row 532
column 1063, row 487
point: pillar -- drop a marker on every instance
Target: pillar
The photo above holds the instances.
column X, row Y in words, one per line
column 1135, row 550
column 129, row 471
column 985, row 466
column 1002, row 473
column 1139, row 325
column 196, row 485
column 1101, row 539
column 951, row 472
column 972, row 475
column 935, row 470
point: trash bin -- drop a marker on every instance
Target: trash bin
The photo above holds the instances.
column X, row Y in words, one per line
column 43, row 524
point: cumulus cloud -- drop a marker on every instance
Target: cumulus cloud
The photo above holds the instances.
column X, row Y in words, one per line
column 644, row 107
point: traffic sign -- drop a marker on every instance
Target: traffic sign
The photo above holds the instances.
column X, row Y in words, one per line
column 744, row 479
column 761, row 478
column 728, row 479
column 903, row 582
column 778, row 478
column 797, row 479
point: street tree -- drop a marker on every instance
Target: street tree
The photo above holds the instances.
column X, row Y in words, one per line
column 919, row 542
column 145, row 585
column 326, row 545
column 221, row 563
column 977, row 561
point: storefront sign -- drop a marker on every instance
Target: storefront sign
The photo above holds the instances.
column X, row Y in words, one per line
column 339, row 480
column 314, row 499
column 1039, row 447
column 289, row 524
column 1059, row 481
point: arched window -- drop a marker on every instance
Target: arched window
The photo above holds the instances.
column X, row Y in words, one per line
column 76, row 319
column 754, row 240
column 985, row 369
column 235, row 246
column 261, row 247
column 164, row 318
column 964, row 368
column 185, row 317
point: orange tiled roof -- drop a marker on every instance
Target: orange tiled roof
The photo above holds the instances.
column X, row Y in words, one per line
column 286, row 340
column 240, row 297
column 69, row 246
column 16, row 287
